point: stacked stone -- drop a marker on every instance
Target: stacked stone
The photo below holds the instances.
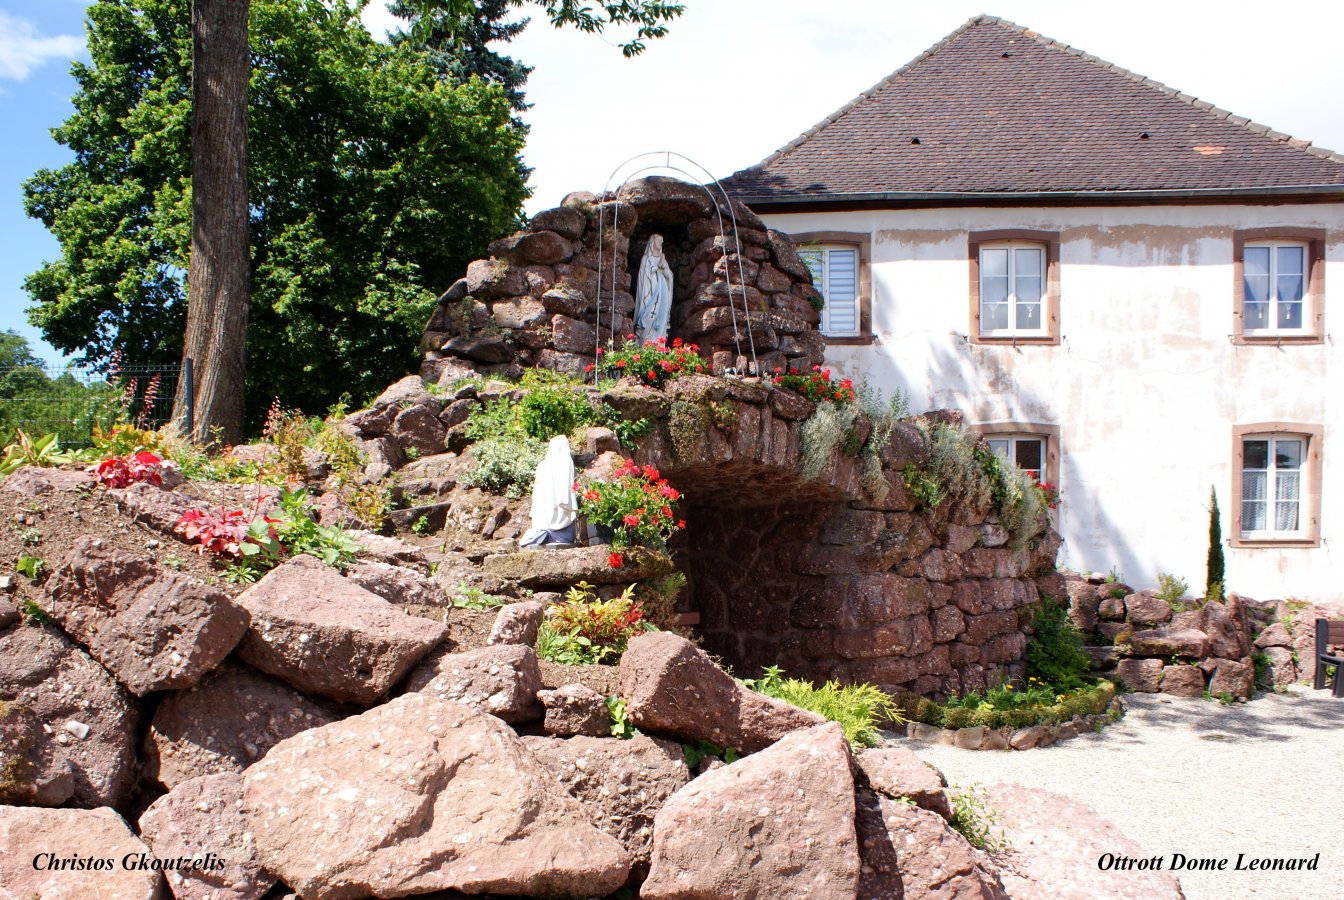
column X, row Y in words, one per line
column 1183, row 649
column 548, row 296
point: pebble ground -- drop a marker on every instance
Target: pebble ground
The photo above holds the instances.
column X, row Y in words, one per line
column 1196, row 777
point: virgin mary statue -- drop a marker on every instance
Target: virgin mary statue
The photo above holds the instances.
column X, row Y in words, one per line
column 653, row 293
column 553, row 503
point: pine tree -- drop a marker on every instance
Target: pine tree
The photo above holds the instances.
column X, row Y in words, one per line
column 1215, row 582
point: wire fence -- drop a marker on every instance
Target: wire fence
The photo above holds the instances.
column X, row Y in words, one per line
column 68, row 400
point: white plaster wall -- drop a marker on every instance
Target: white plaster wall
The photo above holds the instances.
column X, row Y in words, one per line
column 1145, row 384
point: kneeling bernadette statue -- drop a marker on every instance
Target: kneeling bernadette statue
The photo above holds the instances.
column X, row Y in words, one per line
column 554, row 505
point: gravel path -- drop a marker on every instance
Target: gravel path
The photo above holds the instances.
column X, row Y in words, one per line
column 1202, row 779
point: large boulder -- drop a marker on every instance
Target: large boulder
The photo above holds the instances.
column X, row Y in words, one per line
column 1146, row 608
column 419, row 795
column 1050, row 834
column 502, row 680
column 398, row 584
column 34, row 840
column 226, row 723
column 1233, row 676
column 550, row 569
column 1229, row 634
column 1164, row 642
column 896, row 772
column 88, row 720
column 622, row 784
column 777, row 824
column 1142, row 676
column 326, row 635
column 1183, row 681
column 34, row 481
column 154, row 629
column 517, row 623
column 913, row 854
column 202, row 819
column 673, row 687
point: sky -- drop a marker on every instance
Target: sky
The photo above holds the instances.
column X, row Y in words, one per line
column 733, row 81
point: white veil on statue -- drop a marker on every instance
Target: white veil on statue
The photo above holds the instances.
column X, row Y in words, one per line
column 653, row 293
column 554, row 505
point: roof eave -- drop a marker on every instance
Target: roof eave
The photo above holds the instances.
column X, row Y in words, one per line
column 1308, row 193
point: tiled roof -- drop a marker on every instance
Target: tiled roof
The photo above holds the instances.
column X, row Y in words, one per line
column 997, row 109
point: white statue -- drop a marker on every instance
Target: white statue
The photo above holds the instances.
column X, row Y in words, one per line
column 554, row 505
column 653, row 293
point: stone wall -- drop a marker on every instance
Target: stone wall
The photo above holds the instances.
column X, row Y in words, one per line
column 535, row 301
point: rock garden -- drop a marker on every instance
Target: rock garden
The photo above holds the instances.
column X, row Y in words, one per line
column 358, row 658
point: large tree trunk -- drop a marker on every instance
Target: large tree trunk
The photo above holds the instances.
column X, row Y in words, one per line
column 217, row 280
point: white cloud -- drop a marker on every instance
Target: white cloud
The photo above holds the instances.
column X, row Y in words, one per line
column 22, row 49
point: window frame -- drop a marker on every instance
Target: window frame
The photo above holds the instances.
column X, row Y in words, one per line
column 847, row 240
column 1048, row 241
column 1048, row 434
column 1313, row 293
column 1308, row 533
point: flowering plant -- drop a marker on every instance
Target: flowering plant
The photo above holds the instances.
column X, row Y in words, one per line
column 120, row 471
column 655, row 363
column 584, row 629
column 230, row 533
column 1049, row 494
column 638, row 505
column 816, row 385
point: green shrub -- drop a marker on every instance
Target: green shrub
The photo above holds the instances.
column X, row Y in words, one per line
column 583, row 630
column 1172, row 589
column 822, row 433
column 976, row 819
column 1216, row 565
column 1056, row 653
column 1004, row 707
column 467, row 597
column 859, row 708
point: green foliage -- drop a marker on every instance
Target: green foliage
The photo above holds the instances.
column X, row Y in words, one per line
column 817, row 386
column 1172, row 589
column 422, row 526
column 1263, row 665
column 300, row 533
column 859, row 708
column 468, row 597
column 1003, row 706
column 1055, row 653
column 43, row 452
column 505, row 468
column 621, row 727
column 34, row 612
column 926, row 490
column 31, row 567
column 976, row 820
column 659, row 599
column 553, row 408
column 695, row 753
column 457, row 47
column 822, row 433
column 655, row 363
column 637, row 504
column 602, row 628
column 1217, row 575
column 373, row 184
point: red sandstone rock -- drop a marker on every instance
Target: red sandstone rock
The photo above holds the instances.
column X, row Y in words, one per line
column 155, row 507
column 1229, row 635
column 1276, row 635
column 226, row 723
column 1147, row 608
column 418, row 428
column 502, row 680
column 1282, row 668
column 517, row 623
column 27, row 833
column 200, row 819
column 153, row 629
column 1165, row 642
column 89, row 718
column 1235, row 677
column 575, row 709
column 896, row 772
column 31, row 773
column 1049, row 834
column 913, row 854
column 671, row 686
column 778, row 824
column 411, row 797
column 621, row 783
column 1183, row 681
column 398, row 584
column 1143, row 676
column 33, row 481
column 567, row 222
column 326, row 635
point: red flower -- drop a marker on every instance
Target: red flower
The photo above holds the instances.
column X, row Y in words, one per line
column 667, row 512
column 615, row 560
column 631, row 520
column 677, row 342
column 590, row 495
column 681, row 524
column 620, row 364
column 651, row 473
column 588, row 368
column 669, row 492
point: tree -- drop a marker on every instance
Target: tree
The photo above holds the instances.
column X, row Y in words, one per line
column 1216, row 579
column 372, row 182
column 216, row 336
column 458, row 49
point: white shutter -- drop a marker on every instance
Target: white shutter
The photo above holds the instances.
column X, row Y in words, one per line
column 840, row 317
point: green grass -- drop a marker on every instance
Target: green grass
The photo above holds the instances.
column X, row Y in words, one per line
column 859, row 708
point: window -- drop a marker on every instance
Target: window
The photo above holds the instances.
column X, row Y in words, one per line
column 835, row 272
column 839, row 262
column 1273, row 287
column 1014, row 286
column 1034, row 447
column 1280, row 285
column 1278, row 484
column 1028, row 452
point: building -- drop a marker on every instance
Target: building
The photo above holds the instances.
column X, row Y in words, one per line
column 1123, row 286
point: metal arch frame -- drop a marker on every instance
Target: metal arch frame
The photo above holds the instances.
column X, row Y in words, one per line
column 667, row 165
